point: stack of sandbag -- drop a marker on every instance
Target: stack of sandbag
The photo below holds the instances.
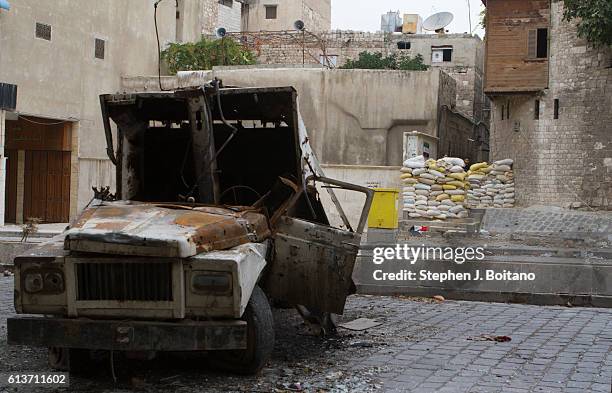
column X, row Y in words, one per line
column 434, row 189
column 491, row 185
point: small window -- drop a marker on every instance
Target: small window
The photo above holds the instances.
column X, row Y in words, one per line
column 329, row 60
column 447, row 55
column 537, row 46
column 178, row 14
column 43, row 31
column 403, row 45
column 542, row 52
column 227, row 3
column 556, row 108
column 271, row 11
column 441, row 54
column 536, row 110
column 99, row 48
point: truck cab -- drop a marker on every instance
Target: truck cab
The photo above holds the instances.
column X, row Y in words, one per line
column 218, row 212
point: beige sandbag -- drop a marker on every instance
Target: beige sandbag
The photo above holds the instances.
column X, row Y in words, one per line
column 426, row 181
column 478, row 166
column 458, row 176
column 449, row 187
column 457, row 198
column 442, row 197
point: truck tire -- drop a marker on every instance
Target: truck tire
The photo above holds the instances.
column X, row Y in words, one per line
column 260, row 336
column 75, row 361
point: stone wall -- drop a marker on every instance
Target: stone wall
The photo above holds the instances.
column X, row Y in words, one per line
column 565, row 161
column 316, row 14
column 335, row 48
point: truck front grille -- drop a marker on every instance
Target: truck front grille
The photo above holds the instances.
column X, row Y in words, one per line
column 124, row 281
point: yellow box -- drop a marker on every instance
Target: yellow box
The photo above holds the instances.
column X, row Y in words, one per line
column 384, row 210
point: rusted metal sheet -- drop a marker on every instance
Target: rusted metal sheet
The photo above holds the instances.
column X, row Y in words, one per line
column 128, row 335
column 313, row 265
column 146, row 229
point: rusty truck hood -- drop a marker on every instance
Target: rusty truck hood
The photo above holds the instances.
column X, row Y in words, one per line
column 162, row 230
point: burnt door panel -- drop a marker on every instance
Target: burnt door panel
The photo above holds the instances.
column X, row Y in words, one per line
column 10, row 213
column 313, row 265
column 47, row 186
column 35, row 186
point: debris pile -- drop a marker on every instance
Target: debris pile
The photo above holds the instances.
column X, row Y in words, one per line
column 434, row 189
column 491, row 185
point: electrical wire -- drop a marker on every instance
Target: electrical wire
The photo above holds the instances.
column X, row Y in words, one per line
column 158, row 46
column 45, row 124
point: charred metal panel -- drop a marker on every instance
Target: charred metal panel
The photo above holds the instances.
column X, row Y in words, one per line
column 127, row 335
column 245, row 263
column 140, row 229
column 313, row 265
column 124, row 281
column 203, row 150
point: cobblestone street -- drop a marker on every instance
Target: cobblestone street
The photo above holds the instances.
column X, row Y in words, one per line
column 423, row 346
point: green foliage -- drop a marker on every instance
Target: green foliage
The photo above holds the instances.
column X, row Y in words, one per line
column 376, row 61
column 594, row 19
column 483, row 18
column 205, row 54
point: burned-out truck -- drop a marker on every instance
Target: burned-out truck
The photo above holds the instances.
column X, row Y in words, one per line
column 218, row 212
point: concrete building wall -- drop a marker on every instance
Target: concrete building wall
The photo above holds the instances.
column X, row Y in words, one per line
column 466, row 65
column 316, row 15
column 230, row 17
column 196, row 18
column 565, row 161
column 61, row 79
column 349, row 126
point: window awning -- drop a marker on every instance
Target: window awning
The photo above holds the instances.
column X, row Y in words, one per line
column 5, row 4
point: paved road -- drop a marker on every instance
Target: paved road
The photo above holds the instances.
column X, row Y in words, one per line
column 423, row 346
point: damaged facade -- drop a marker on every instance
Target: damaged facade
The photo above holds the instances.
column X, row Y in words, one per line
column 550, row 93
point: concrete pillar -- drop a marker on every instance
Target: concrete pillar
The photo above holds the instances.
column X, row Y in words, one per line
column 2, row 166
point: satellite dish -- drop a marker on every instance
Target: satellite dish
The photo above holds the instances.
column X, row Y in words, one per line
column 221, row 32
column 299, row 25
column 438, row 21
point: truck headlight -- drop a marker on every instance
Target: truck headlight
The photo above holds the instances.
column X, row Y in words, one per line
column 33, row 282
column 47, row 281
column 211, row 283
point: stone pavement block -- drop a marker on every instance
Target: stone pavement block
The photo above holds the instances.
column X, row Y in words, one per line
column 426, row 349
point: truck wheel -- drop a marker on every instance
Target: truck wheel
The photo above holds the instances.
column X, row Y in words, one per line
column 260, row 336
column 69, row 359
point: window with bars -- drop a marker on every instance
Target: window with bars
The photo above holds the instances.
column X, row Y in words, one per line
column 99, row 48
column 43, row 31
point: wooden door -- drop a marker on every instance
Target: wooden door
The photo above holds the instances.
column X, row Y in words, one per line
column 47, row 186
column 10, row 196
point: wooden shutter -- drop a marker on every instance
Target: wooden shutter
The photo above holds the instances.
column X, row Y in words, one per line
column 532, row 44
